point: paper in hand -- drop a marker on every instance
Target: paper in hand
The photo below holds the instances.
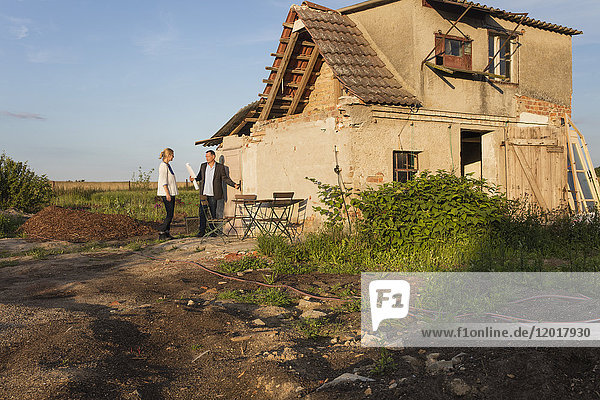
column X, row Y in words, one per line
column 193, row 174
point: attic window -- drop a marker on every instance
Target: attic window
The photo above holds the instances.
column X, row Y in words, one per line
column 453, row 51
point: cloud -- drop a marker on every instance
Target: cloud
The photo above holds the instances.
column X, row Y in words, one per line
column 18, row 28
column 23, row 115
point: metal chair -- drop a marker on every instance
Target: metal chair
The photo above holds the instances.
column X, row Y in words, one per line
column 215, row 225
column 244, row 212
column 296, row 227
column 283, row 195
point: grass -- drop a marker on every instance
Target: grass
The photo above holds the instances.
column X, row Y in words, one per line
column 528, row 241
column 8, row 263
column 243, row 264
column 264, row 297
column 142, row 204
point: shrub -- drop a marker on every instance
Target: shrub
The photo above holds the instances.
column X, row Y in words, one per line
column 21, row 188
column 8, row 225
column 431, row 207
column 333, row 198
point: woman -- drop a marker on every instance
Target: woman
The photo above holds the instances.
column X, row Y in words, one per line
column 167, row 190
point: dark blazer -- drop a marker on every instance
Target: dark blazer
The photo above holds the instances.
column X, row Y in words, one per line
column 220, row 177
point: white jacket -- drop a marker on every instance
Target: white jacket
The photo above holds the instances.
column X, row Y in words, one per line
column 165, row 177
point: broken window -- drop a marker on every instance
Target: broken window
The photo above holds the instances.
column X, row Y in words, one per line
column 453, row 52
column 405, row 165
column 500, row 54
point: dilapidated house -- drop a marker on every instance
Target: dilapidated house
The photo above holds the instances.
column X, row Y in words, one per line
column 390, row 88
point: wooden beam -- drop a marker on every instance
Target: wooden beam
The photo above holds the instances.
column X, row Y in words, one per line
column 300, row 57
column 280, row 97
column 288, row 25
column 289, row 50
column 238, row 128
column 534, row 142
column 304, row 81
column 449, row 30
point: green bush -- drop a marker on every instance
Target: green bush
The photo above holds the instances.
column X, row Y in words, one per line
column 8, row 225
column 429, row 208
column 21, row 188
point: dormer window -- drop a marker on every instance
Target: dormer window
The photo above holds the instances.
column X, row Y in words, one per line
column 453, row 52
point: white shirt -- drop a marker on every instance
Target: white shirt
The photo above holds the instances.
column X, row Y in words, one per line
column 209, row 175
column 165, row 177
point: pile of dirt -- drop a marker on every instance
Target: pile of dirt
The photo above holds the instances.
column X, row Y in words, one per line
column 82, row 226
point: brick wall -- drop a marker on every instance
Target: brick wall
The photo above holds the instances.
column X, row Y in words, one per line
column 541, row 107
column 325, row 92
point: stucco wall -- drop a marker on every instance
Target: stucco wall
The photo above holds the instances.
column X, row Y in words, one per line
column 404, row 33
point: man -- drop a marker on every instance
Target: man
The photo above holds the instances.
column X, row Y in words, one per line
column 210, row 179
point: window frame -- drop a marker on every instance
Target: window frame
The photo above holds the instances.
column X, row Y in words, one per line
column 443, row 58
column 495, row 64
column 412, row 168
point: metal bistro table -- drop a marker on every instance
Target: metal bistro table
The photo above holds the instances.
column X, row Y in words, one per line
column 269, row 216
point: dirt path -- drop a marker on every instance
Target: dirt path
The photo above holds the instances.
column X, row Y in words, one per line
column 110, row 323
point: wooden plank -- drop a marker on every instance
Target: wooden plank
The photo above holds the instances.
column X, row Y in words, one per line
column 238, row 128
column 289, row 49
column 304, row 81
column 530, row 177
column 534, row 142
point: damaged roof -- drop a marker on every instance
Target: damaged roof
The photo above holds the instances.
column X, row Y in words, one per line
column 353, row 61
column 240, row 123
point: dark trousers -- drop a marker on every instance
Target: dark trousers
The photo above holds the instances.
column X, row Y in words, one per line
column 203, row 213
column 170, row 208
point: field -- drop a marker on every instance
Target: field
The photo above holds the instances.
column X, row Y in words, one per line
column 201, row 319
column 142, row 204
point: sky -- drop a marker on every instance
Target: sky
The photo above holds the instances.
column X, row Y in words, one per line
column 94, row 90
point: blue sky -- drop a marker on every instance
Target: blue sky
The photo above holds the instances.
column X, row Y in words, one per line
column 95, row 89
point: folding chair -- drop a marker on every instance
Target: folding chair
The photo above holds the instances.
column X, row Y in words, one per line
column 213, row 224
column 245, row 212
column 281, row 211
column 283, row 195
column 296, row 227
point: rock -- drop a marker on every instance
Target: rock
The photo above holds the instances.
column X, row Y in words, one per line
column 439, row 367
column 334, row 340
column 313, row 314
column 288, row 354
column 308, row 305
column 432, row 358
column 347, row 377
column 258, row 322
column 457, row 359
column 414, row 362
column 271, row 311
column 393, row 386
column 370, row 340
column 368, row 391
column 299, row 389
column 190, row 303
column 459, row 387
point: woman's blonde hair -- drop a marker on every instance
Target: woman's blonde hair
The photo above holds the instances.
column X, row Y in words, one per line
column 166, row 152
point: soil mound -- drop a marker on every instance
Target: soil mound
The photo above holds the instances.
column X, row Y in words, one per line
column 82, row 226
